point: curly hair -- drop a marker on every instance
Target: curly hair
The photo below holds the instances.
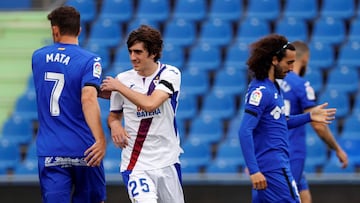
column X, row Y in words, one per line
column 151, row 38
column 263, row 51
column 67, row 18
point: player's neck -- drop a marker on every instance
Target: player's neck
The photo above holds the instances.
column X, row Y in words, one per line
column 68, row 40
column 150, row 70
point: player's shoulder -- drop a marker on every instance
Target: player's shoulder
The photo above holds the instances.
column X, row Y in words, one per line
column 127, row 74
column 172, row 69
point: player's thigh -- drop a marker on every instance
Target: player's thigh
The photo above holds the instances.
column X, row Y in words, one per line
column 140, row 187
column 55, row 183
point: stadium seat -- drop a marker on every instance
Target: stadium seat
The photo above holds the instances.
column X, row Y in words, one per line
column 187, row 108
column 233, row 129
column 236, row 56
column 328, row 30
column 216, row 32
column 263, row 9
column 301, row 9
column 343, row 78
column 87, row 9
column 354, row 30
column 337, row 99
column 193, row 10
column 153, row 10
column 10, row 155
column 180, row 32
column 207, row 130
column 293, row 28
column 227, row 10
column 315, row 77
column 136, row 22
column 173, row 55
column 16, row 5
column 333, row 165
column 18, row 130
column 102, row 51
column 204, row 57
column 251, row 29
column 121, row 59
column 26, row 106
column 117, row 10
column 343, row 10
column 230, row 81
column 349, row 54
column 195, row 157
column 106, row 33
column 350, row 130
column 112, row 158
column 230, row 152
column 194, row 82
column 26, row 167
column 316, row 153
column 218, row 105
column 351, row 146
column 322, row 55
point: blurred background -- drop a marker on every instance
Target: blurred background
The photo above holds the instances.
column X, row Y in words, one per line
column 208, row 41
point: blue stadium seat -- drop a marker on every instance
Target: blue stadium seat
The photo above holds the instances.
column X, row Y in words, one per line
column 16, row 5
column 233, row 129
column 351, row 146
column 263, row 9
column 180, row 32
column 322, row 55
column 195, row 11
column 349, row 53
column 106, row 33
column 219, row 166
column 343, row 78
column 329, row 30
column 102, row 51
column 293, row 28
column 350, row 130
column 187, row 108
column 334, row 166
column 194, row 82
column 87, row 9
column 10, row 155
column 343, row 10
column 316, row 153
column 228, row 10
column 207, row 130
column 218, row 105
column 354, row 30
column 196, row 155
column 136, row 22
column 301, row 9
column 230, row 152
column 26, row 106
column 204, row 57
column 121, row 59
column 236, row 56
column 153, row 10
column 27, row 167
column 251, row 29
column 230, row 81
column 315, row 77
column 17, row 129
column 173, row 55
column 117, row 10
column 112, row 158
column 336, row 99
column 216, row 32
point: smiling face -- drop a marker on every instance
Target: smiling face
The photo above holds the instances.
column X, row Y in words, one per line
column 141, row 60
column 281, row 68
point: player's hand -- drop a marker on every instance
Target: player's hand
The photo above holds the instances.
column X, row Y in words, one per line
column 321, row 114
column 119, row 136
column 109, row 84
column 258, row 181
column 104, row 94
column 95, row 154
column 342, row 156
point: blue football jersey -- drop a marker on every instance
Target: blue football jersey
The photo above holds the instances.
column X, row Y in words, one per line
column 263, row 130
column 60, row 72
column 298, row 96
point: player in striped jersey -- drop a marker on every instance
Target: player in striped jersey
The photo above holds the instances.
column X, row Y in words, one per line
column 145, row 98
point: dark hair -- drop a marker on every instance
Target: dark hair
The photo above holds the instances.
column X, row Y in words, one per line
column 150, row 37
column 263, row 51
column 67, row 18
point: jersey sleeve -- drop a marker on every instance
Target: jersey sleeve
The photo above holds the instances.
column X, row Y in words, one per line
column 93, row 71
column 116, row 100
column 170, row 80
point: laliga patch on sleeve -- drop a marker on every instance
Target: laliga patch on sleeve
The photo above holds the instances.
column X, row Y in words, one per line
column 97, row 69
column 255, row 97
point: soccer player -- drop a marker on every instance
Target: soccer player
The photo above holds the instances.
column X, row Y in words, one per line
column 300, row 97
column 70, row 141
column 263, row 130
column 146, row 98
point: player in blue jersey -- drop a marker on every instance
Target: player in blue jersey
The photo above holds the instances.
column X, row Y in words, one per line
column 263, row 129
column 300, row 97
column 70, row 141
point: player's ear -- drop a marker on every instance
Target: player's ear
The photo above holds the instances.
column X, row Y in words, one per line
column 275, row 60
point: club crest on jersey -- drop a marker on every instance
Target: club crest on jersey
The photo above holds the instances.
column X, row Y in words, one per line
column 255, row 97
column 97, row 69
column 156, row 80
